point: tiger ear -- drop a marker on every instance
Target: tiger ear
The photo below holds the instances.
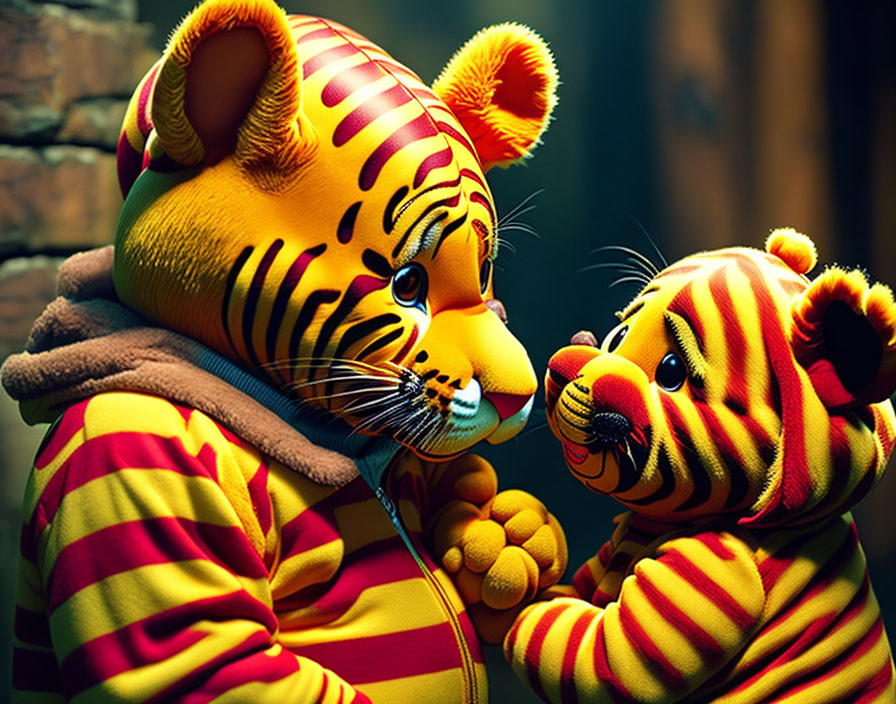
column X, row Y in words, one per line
column 501, row 85
column 229, row 84
column 844, row 335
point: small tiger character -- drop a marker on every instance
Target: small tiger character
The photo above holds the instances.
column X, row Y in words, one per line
column 238, row 498
column 738, row 409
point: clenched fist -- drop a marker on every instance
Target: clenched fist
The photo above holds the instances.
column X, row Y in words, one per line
column 499, row 550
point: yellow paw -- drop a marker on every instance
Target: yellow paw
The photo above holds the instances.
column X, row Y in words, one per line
column 502, row 557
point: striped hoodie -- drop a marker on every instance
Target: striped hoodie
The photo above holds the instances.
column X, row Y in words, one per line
column 177, row 545
column 700, row 613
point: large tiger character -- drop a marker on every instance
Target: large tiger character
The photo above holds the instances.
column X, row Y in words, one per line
column 237, row 499
column 738, row 409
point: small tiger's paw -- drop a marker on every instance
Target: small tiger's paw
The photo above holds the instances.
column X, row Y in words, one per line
column 502, row 560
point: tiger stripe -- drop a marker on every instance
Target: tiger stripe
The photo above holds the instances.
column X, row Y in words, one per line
column 360, row 88
column 737, row 576
column 285, row 588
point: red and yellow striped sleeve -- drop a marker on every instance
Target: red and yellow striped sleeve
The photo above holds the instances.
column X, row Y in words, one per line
column 143, row 566
column 677, row 620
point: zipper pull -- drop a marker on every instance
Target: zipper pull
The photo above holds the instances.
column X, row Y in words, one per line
column 387, row 503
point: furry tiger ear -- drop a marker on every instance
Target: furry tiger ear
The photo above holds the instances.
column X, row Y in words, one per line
column 844, row 335
column 501, row 85
column 229, row 84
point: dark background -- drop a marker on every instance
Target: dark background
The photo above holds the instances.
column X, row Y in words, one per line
column 707, row 123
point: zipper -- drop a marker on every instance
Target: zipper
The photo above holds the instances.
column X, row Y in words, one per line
column 471, row 688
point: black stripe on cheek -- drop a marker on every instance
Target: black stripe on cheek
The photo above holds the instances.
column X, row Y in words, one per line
column 739, row 487
column 306, row 315
column 360, row 287
column 666, row 487
column 699, row 476
column 254, row 294
column 447, row 230
column 228, row 291
column 287, row 286
column 389, row 212
column 361, row 330
column 377, row 263
column 346, row 228
column 381, row 342
column 358, row 332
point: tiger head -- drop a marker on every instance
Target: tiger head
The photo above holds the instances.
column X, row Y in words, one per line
column 735, row 385
column 298, row 200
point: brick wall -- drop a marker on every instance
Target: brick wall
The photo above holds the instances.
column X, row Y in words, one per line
column 67, row 70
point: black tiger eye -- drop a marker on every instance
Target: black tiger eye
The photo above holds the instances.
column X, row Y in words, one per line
column 485, row 275
column 617, row 339
column 671, row 372
column 409, row 286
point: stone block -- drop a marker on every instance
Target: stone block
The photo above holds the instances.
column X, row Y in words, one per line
column 27, row 285
column 95, row 122
column 120, row 9
column 54, row 56
column 60, row 197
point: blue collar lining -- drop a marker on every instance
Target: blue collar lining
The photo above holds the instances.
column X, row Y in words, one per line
column 372, row 455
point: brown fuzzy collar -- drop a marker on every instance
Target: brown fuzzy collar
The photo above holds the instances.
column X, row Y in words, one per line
column 86, row 342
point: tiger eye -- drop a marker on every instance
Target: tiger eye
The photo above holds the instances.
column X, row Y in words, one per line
column 484, row 275
column 671, row 372
column 617, row 339
column 409, row 286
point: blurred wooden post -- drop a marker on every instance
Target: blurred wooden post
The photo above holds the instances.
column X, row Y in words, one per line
column 742, row 126
column 700, row 124
column 792, row 148
column 883, row 165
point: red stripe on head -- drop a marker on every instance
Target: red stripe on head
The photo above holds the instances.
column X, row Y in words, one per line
column 326, row 57
column 433, row 161
column 795, row 487
column 478, row 197
column 348, row 81
column 144, row 119
column 368, row 111
column 733, row 333
column 413, row 131
column 445, row 128
column 568, row 362
column 683, row 304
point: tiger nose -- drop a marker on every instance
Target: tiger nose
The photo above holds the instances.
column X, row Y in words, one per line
column 610, row 427
column 507, row 404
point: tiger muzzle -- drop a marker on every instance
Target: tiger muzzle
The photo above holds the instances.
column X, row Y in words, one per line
column 610, row 428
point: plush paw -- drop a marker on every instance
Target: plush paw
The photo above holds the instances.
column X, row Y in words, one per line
column 503, row 555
